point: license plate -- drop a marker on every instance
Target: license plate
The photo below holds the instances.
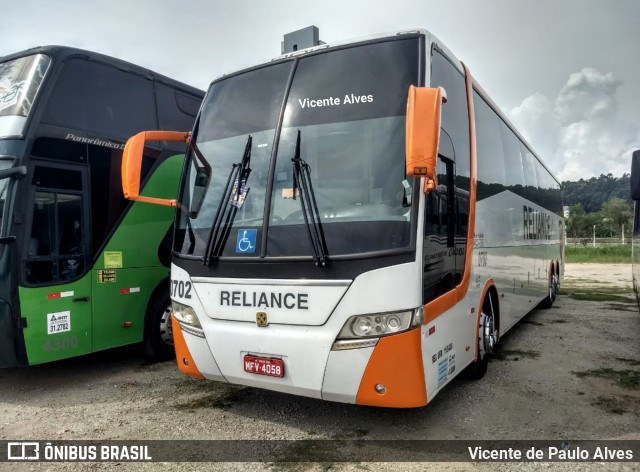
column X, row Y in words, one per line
column 264, row 366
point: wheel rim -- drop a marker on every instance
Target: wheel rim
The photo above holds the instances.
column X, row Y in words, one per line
column 488, row 334
column 553, row 287
column 166, row 330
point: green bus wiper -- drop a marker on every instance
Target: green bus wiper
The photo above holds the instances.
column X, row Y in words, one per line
column 235, row 192
column 302, row 185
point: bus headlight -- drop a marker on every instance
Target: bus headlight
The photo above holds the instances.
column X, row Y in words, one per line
column 382, row 324
column 187, row 318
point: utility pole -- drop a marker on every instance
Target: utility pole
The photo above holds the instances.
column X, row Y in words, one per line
column 623, row 233
column 594, row 236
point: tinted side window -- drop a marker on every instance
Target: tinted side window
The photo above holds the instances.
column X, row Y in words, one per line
column 176, row 110
column 512, row 158
column 95, row 97
column 455, row 124
column 491, row 165
column 529, row 167
column 455, row 116
column 107, row 201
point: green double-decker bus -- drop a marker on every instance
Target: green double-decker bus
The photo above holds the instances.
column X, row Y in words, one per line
column 81, row 268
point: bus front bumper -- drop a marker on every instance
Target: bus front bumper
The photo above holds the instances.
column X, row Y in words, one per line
column 389, row 374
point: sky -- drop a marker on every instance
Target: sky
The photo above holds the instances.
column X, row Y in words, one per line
column 566, row 72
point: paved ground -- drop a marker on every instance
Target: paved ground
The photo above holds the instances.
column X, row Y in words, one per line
column 572, row 371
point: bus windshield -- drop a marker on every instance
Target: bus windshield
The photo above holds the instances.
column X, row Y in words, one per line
column 19, row 82
column 343, row 119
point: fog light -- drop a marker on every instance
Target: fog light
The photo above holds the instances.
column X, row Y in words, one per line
column 381, row 389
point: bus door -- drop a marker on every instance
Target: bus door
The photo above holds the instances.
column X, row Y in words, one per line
column 55, row 296
column 439, row 266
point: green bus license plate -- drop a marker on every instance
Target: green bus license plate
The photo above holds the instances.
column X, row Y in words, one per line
column 264, row 366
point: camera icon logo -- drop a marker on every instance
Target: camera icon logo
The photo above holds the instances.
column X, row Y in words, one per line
column 23, row 451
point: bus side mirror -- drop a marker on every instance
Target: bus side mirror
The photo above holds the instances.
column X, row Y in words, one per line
column 635, row 175
column 17, row 172
column 132, row 163
column 424, row 111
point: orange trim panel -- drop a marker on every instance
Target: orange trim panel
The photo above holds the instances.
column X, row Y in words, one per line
column 185, row 362
column 396, row 363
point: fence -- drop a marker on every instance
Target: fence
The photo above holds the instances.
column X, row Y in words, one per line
column 598, row 242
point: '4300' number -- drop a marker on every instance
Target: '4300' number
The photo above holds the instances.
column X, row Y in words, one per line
column 60, row 344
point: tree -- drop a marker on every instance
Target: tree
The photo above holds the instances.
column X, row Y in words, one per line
column 580, row 223
column 618, row 212
column 593, row 192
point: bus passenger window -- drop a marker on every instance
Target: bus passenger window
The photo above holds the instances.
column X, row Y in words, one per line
column 56, row 248
column 40, row 269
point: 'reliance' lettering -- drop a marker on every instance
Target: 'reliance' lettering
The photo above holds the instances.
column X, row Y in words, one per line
column 289, row 301
column 536, row 224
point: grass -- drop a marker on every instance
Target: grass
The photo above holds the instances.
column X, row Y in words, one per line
column 598, row 293
column 621, row 307
column 603, row 254
column 600, row 297
column 626, row 378
column 610, row 405
column 631, row 362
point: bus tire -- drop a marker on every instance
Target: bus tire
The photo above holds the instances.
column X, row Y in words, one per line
column 487, row 340
column 553, row 286
column 158, row 336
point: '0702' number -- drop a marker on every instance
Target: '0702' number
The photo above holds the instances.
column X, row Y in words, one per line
column 180, row 289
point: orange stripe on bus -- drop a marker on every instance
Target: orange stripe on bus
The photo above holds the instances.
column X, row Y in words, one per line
column 441, row 304
column 396, row 363
column 183, row 357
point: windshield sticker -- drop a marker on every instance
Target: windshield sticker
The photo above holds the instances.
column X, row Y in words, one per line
column 58, row 322
column 349, row 99
column 246, row 242
column 112, row 260
column 288, row 193
column 19, row 82
column 9, row 93
column 239, row 193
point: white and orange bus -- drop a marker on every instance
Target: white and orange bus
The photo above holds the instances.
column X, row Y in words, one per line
column 357, row 223
column 635, row 240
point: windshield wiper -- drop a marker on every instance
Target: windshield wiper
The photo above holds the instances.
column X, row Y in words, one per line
column 302, row 185
column 233, row 197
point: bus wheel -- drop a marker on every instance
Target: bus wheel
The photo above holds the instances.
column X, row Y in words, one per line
column 487, row 340
column 158, row 339
column 552, row 290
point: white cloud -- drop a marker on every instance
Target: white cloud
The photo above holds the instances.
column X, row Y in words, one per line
column 536, row 119
column 587, row 95
column 580, row 133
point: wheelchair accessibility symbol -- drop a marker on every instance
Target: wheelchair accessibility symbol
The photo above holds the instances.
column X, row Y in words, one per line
column 246, row 242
